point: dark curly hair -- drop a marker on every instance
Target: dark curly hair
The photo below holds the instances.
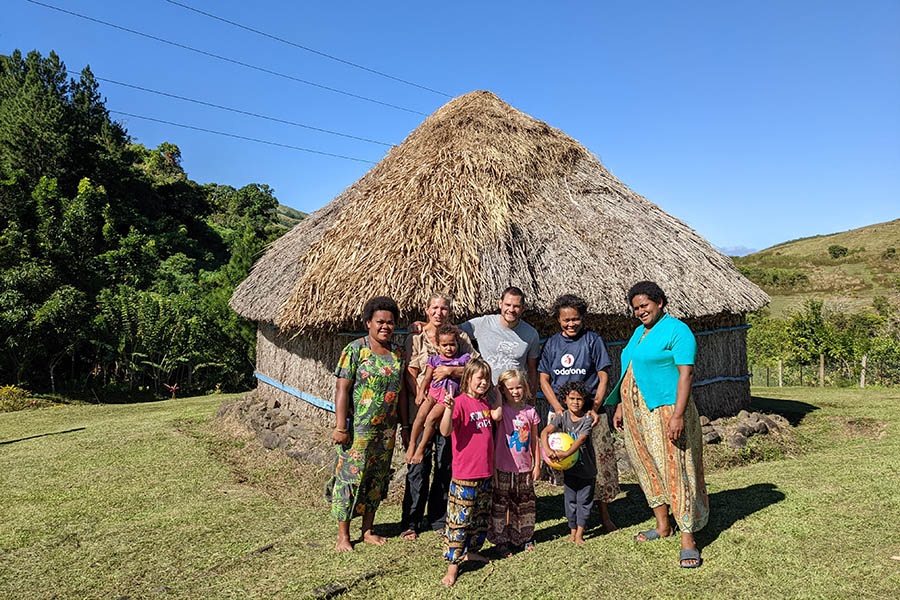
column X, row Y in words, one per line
column 649, row 289
column 447, row 329
column 575, row 386
column 570, row 301
column 380, row 303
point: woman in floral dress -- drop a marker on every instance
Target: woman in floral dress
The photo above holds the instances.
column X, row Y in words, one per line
column 369, row 391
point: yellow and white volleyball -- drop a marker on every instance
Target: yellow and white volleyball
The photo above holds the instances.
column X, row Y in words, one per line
column 562, row 442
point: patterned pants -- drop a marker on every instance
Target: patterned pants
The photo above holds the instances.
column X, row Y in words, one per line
column 468, row 512
column 669, row 473
column 513, row 498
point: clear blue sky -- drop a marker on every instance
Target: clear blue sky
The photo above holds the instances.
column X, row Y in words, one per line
column 752, row 122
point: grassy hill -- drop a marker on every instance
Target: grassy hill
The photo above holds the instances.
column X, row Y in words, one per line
column 848, row 269
column 289, row 217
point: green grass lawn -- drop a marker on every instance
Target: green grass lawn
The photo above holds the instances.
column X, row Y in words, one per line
column 159, row 500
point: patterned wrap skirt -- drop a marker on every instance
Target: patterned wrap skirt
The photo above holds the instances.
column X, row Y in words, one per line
column 607, row 487
column 468, row 516
column 514, row 508
column 362, row 473
column 669, row 473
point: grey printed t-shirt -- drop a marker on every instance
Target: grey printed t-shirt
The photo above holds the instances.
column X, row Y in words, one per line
column 586, row 465
column 503, row 348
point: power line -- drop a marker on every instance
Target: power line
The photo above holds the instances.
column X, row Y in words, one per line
column 242, row 137
column 307, row 48
column 242, row 112
column 226, row 59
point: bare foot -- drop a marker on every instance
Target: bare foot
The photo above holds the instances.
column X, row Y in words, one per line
column 450, row 578
column 579, row 535
column 571, row 535
column 609, row 526
column 343, row 545
column 410, row 534
column 371, row 538
column 474, row 556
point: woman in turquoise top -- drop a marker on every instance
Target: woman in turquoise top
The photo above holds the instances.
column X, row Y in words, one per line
column 660, row 421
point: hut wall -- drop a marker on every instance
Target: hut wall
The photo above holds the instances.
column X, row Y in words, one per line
column 303, row 363
column 307, row 364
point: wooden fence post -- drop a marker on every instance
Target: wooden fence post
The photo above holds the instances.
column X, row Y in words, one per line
column 821, row 370
column 862, row 373
column 780, row 382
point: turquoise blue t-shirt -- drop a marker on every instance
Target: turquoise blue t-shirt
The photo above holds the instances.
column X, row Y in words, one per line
column 655, row 359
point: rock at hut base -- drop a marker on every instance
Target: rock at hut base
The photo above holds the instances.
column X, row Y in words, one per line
column 712, row 437
column 736, row 441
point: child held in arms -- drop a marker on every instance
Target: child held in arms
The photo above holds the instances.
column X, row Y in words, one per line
column 431, row 393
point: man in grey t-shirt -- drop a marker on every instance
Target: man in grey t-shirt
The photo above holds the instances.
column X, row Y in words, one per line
column 505, row 341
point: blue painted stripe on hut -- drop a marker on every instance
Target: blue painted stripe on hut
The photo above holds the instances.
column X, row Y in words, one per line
column 719, row 380
column 314, row 400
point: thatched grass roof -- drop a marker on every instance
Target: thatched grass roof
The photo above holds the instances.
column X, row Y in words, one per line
column 481, row 196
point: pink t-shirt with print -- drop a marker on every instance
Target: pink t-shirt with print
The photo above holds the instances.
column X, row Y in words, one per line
column 513, row 443
column 472, row 439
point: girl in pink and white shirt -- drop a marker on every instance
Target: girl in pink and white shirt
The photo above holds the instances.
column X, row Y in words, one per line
column 517, row 466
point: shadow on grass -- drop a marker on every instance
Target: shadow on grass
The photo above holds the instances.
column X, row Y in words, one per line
column 792, row 410
column 40, row 435
column 725, row 509
column 626, row 511
column 729, row 506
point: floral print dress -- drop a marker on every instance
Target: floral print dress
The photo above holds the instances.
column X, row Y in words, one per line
column 363, row 468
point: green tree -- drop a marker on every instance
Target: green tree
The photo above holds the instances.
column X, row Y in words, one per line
column 808, row 332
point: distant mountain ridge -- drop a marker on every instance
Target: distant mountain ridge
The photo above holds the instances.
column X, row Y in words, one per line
column 736, row 250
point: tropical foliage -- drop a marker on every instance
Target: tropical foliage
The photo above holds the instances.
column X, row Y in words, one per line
column 115, row 267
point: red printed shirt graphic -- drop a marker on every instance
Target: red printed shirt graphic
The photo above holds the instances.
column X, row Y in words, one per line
column 472, row 439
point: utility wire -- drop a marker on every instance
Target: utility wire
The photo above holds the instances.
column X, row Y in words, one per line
column 242, row 112
column 242, row 137
column 226, row 59
column 307, row 48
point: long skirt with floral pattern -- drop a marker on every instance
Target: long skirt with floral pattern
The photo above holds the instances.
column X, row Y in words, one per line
column 669, row 472
column 362, row 469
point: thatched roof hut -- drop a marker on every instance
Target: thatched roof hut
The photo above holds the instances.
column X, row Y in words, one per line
column 481, row 196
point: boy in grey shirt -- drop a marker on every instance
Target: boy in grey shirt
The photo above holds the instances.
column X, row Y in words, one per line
column 579, row 479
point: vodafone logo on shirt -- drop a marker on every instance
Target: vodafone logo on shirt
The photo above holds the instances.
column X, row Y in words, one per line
column 567, row 360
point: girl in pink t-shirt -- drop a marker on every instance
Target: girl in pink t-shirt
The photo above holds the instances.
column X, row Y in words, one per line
column 517, row 464
column 468, row 419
